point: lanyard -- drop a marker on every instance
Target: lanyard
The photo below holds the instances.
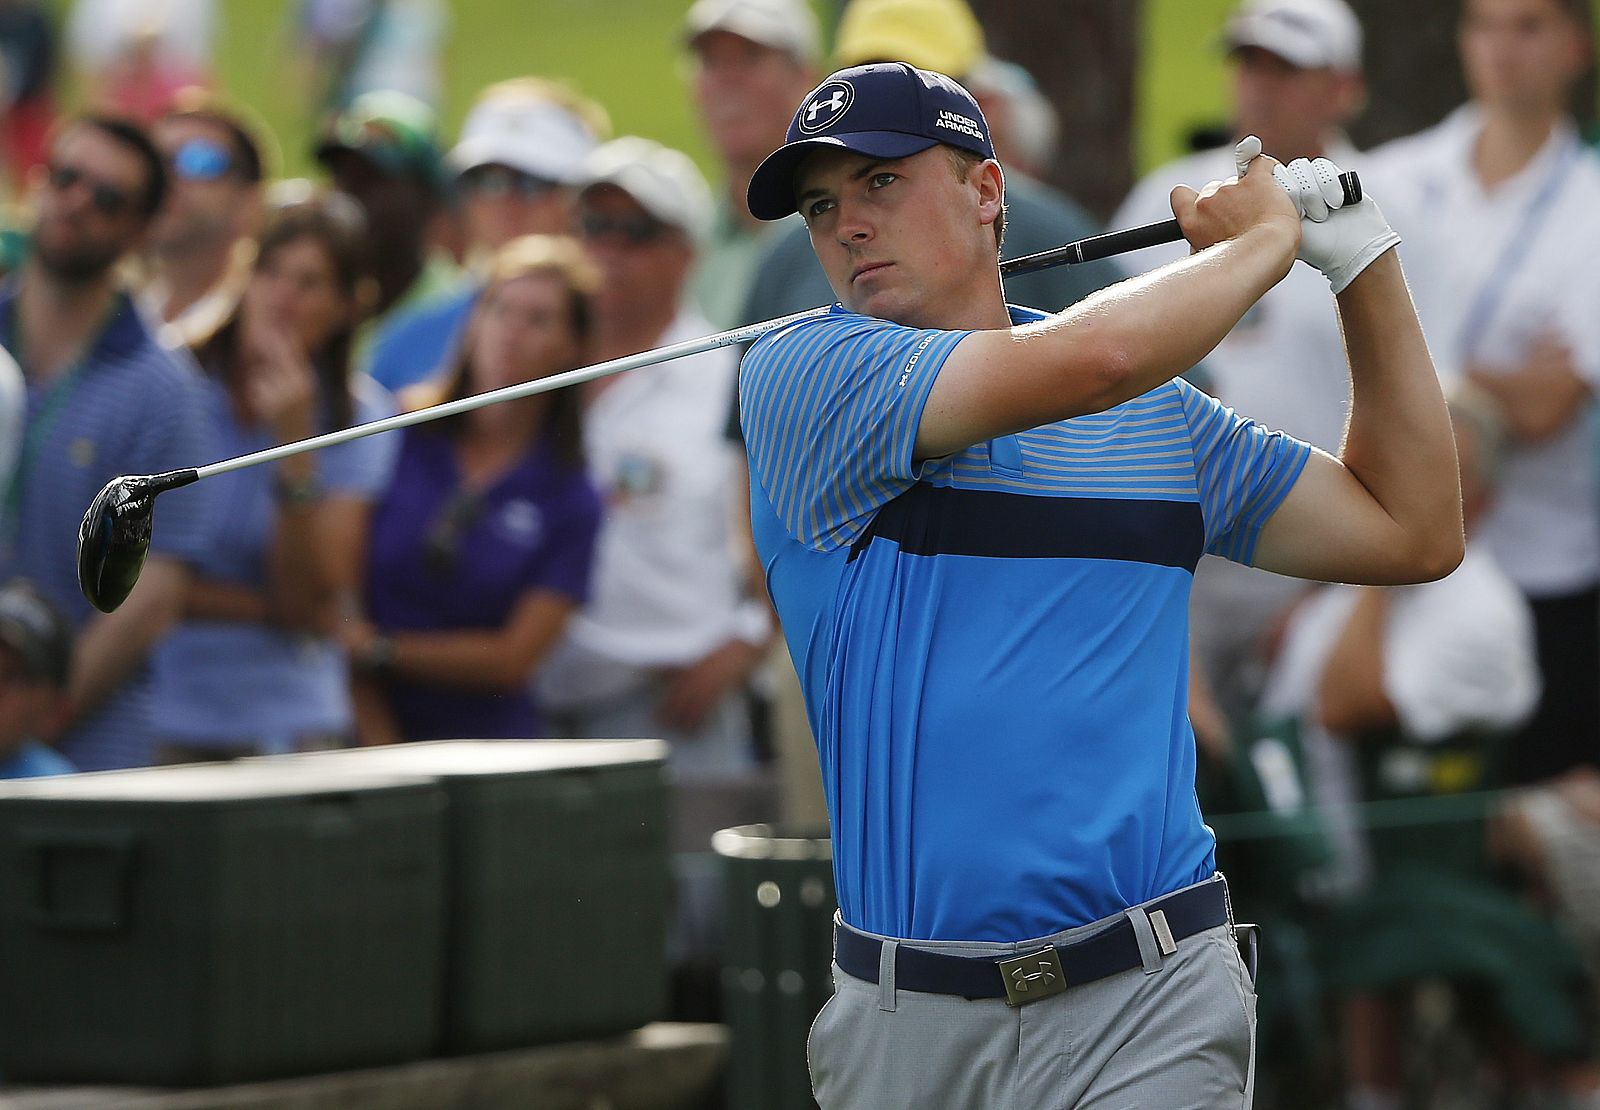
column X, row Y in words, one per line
column 41, row 421
column 1514, row 254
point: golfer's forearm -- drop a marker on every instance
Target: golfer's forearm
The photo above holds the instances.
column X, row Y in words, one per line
column 1399, row 444
column 1156, row 326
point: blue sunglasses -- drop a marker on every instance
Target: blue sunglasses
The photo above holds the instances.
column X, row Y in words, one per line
column 201, row 160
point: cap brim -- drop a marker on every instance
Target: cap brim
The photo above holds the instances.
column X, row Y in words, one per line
column 771, row 195
column 469, row 154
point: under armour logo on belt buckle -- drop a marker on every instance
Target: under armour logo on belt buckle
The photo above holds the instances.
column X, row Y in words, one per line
column 1033, row 976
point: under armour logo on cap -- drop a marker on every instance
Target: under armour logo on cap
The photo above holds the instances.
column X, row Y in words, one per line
column 825, row 107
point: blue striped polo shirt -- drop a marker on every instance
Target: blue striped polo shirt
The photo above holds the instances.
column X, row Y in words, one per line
column 994, row 645
column 128, row 407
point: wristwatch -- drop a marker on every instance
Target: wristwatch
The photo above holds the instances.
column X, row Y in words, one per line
column 294, row 493
column 378, row 656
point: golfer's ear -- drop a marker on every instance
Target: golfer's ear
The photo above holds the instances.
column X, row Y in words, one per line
column 991, row 186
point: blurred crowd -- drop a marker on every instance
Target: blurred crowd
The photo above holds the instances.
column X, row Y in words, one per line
column 1404, row 779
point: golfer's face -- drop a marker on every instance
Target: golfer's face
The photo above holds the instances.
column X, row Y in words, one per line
column 889, row 233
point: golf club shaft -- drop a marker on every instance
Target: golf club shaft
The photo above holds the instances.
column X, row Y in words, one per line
column 1098, row 246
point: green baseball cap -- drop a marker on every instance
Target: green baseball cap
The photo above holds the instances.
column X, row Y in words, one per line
column 392, row 130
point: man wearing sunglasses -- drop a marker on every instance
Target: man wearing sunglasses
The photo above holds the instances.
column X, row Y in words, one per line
column 200, row 245
column 103, row 399
column 517, row 170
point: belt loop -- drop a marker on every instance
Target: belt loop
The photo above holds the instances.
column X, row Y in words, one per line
column 1149, row 952
column 886, row 991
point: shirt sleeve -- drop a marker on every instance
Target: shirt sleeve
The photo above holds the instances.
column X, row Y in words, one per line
column 831, row 408
column 1459, row 654
column 1243, row 471
column 569, row 556
column 175, row 434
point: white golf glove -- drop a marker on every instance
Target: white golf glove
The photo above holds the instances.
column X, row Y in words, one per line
column 1338, row 240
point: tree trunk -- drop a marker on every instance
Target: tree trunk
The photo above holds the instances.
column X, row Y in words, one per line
column 1084, row 55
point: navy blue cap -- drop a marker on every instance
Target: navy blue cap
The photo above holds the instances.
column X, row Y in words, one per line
column 883, row 110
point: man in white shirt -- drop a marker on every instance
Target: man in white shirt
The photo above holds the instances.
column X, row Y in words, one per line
column 1500, row 208
column 1296, row 81
column 669, row 639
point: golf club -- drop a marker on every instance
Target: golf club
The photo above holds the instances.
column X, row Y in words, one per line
column 114, row 537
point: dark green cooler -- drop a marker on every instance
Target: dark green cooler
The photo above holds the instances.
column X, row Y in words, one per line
column 559, row 884
column 777, row 958
column 212, row 924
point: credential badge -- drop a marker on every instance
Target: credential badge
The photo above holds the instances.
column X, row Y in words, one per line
column 825, row 107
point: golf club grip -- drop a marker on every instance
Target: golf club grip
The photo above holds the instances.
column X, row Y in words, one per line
column 1129, row 239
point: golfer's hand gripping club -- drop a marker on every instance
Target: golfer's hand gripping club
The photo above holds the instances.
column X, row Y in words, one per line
column 1342, row 230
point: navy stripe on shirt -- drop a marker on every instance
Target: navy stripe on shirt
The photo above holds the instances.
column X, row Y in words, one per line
column 941, row 520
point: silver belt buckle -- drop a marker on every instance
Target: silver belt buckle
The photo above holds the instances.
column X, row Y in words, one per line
column 1032, row 976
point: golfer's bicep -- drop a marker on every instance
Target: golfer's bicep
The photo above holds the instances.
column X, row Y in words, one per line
column 1330, row 528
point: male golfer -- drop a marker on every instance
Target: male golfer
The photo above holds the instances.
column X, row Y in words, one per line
column 979, row 525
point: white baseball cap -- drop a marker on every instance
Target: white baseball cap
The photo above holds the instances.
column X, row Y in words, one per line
column 665, row 182
column 786, row 25
column 1308, row 34
column 537, row 136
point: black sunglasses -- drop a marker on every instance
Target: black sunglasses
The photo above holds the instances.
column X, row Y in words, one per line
column 442, row 545
column 108, row 200
column 503, row 181
column 634, row 230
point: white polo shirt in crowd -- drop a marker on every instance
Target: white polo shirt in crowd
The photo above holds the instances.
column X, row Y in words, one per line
column 1490, row 273
column 667, row 583
column 1458, row 654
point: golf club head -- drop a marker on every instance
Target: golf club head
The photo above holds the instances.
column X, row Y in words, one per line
column 115, row 535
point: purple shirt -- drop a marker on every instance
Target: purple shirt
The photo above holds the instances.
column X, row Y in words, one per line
column 440, row 561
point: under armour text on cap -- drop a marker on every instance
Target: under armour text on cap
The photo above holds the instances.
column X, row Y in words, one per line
column 1308, row 34
column 886, row 110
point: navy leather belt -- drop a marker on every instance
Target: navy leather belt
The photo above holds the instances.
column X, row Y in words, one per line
column 1044, row 971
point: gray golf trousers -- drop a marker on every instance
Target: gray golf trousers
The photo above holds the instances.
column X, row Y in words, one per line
column 1178, row 1033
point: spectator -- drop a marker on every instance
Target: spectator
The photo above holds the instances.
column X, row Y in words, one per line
column 103, row 399
column 201, row 244
column 517, row 166
column 134, row 55
column 252, row 668
column 668, row 643
column 381, row 151
column 481, row 548
column 941, row 35
column 1498, row 207
column 1402, row 694
column 1023, row 124
column 27, row 71
column 1295, row 70
column 35, row 656
column 753, row 61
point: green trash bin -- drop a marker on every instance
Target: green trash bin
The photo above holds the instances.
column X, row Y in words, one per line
column 557, row 884
column 778, row 889
column 192, row 926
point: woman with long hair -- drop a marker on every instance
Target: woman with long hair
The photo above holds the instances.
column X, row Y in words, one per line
column 253, row 666
column 482, row 546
